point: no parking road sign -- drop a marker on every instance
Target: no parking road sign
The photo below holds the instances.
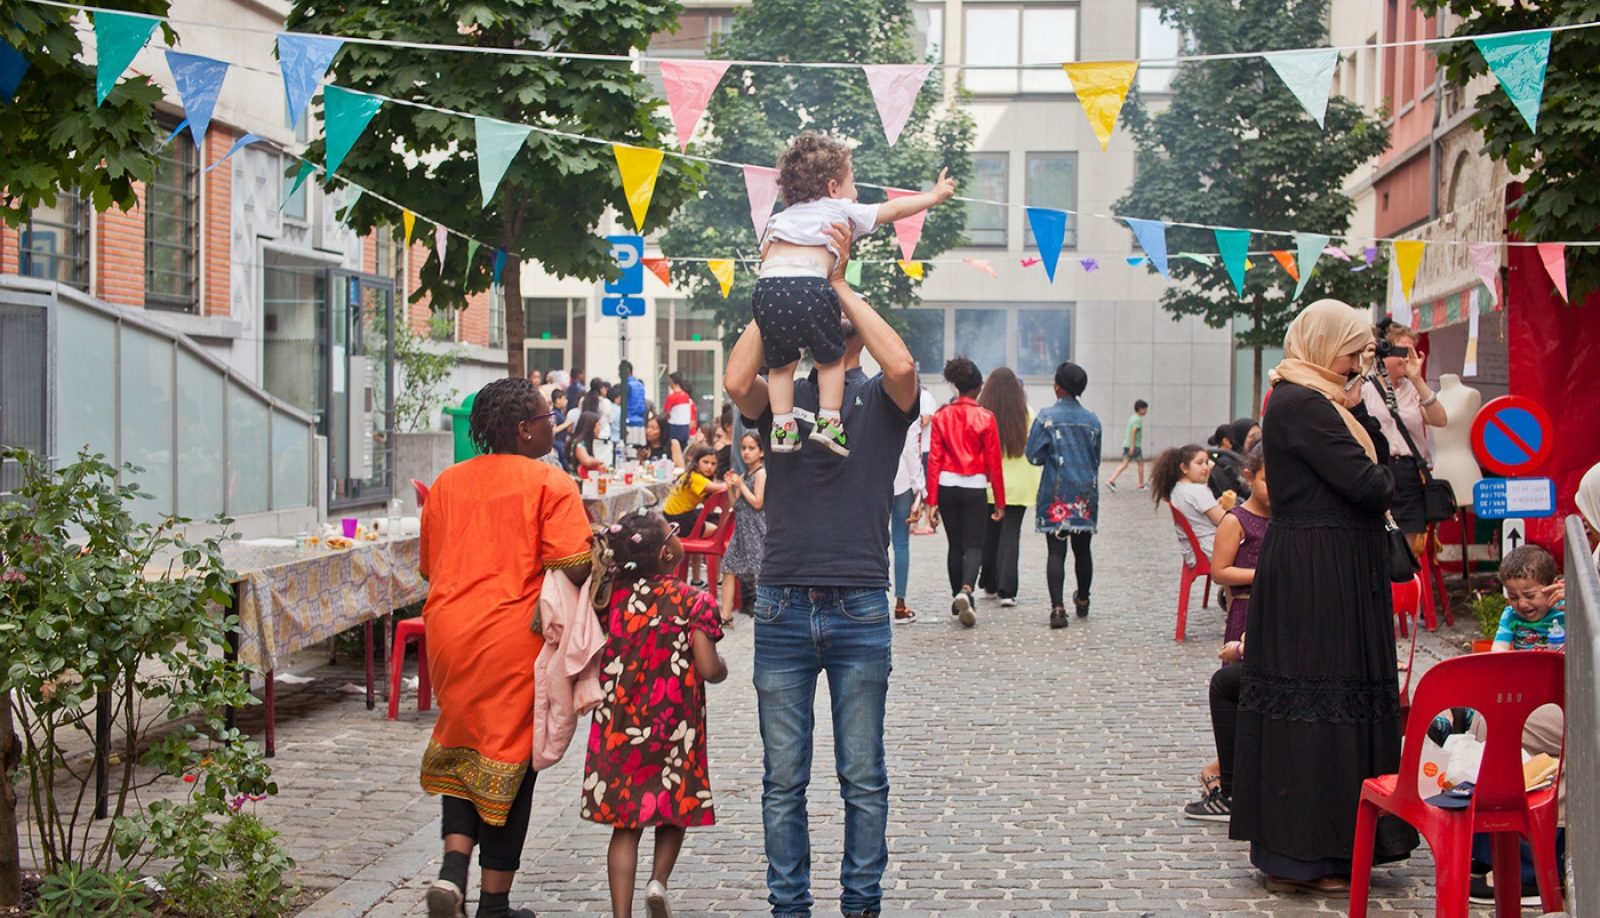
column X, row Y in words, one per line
column 1512, row 435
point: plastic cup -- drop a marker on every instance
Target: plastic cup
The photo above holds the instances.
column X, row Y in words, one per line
column 627, row 478
column 603, row 484
column 349, row 523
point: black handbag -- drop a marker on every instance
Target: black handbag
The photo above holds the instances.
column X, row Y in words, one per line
column 1402, row 562
column 1438, row 498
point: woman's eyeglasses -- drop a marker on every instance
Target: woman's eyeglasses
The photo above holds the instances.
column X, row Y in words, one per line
column 541, row 416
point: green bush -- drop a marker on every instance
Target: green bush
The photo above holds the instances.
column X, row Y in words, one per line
column 73, row 892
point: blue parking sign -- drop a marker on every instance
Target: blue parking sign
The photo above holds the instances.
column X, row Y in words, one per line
column 628, row 253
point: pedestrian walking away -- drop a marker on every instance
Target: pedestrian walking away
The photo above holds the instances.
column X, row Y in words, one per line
column 963, row 464
column 1065, row 441
column 1005, row 398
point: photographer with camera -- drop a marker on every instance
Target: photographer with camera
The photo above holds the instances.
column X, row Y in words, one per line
column 1396, row 393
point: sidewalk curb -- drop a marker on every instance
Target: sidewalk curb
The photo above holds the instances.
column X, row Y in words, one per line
column 373, row 883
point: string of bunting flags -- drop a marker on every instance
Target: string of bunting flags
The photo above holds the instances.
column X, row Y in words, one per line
column 1518, row 59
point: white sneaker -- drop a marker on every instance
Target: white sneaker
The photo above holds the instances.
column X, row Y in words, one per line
column 655, row 900
column 962, row 607
column 1008, row 602
column 1111, row 486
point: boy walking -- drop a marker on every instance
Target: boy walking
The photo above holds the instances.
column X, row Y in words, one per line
column 1132, row 446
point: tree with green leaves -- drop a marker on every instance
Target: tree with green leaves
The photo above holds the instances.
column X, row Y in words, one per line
column 757, row 110
column 550, row 204
column 1561, row 199
column 1235, row 148
column 53, row 137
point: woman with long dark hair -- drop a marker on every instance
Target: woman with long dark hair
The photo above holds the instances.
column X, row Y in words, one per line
column 1004, row 397
column 962, row 465
column 583, row 460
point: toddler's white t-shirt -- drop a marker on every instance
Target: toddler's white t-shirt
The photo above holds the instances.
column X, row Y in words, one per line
column 803, row 224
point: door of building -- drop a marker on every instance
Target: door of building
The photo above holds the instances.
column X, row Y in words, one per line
column 359, row 422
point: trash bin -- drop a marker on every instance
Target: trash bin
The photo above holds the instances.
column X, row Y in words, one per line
column 461, row 425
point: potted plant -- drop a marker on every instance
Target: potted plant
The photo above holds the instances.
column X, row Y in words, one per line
column 1487, row 608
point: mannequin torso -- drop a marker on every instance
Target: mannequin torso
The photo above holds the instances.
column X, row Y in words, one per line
column 1452, row 443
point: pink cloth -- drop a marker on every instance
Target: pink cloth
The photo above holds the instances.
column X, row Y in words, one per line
column 567, row 672
column 1409, row 401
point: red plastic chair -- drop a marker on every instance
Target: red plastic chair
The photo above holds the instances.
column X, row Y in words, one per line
column 713, row 548
column 1504, row 688
column 405, row 631
column 1406, row 598
column 422, row 493
column 1190, row 572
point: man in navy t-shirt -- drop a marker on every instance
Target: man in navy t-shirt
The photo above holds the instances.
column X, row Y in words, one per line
column 822, row 604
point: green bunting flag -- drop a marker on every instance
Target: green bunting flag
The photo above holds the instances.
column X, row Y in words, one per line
column 852, row 273
column 1519, row 62
column 345, row 114
column 472, row 252
column 1308, row 248
column 118, row 38
column 498, row 143
column 1234, row 246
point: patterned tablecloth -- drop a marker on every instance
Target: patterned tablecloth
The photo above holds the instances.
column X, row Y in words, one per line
column 290, row 598
column 619, row 499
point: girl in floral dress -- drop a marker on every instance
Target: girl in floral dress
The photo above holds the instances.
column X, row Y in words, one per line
column 646, row 763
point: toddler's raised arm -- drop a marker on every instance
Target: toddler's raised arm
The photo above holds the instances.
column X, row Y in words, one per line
column 900, row 208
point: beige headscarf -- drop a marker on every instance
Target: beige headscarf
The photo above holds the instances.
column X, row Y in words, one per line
column 1589, row 497
column 1319, row 335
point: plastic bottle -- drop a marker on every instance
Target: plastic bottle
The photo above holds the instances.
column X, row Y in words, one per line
column 394, row 518
column 1556, row 639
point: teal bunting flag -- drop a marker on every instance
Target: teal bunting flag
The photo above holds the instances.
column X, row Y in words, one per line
column 118, row 38
column 1234, row 246
column 498, row 143
column 1519, row 63
column 1308, row 248
column 499, row 265
column 345, row 116
column 299, row 179
column 472, row 252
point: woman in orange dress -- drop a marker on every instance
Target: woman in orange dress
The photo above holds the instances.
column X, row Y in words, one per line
column 494, row 525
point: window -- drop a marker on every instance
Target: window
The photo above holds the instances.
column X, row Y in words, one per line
column 698, row 30
column 981, row 337
column 547, row 340
column 1157, row 39
column 1019, row 36
column 1044, row 340
column 1052, row 181
column 384, row 252
column 545, row 318
column 294, row 206
column 925, row 337
column 927, row 31
column 986, row 223
column 443, row 324
column 172, row 229
column 54, row 242
column 497, row 316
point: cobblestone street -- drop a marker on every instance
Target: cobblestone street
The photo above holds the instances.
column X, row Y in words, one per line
column 1033, row 771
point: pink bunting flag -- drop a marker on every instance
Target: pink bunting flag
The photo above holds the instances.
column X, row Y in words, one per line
column 441, row 238
column 1486, row 262
column 1554, row 256
column 1336, row 252
column 689, row 87
column 761, row 184
column 907, row 229
column 981, row 264
column 1030, row 261
column 894, row 90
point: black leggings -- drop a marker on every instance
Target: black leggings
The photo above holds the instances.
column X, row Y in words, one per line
column 965, row 512
column 1224, row 718
column 1055, row 567
column 1001, row 540
column 499, row 847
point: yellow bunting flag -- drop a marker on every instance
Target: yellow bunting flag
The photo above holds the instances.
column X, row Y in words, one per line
column 1286, row 258
column 722, row 269
column 1102, row 87
column 913, row 269
column 638, row 167
column 1407, row 256
column 409, row 221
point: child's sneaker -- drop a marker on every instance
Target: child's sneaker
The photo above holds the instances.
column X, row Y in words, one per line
column 786, row 438
column 1111, row 486
column 830, row 433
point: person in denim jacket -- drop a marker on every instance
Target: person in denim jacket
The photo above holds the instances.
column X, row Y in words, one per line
column 1065, row 439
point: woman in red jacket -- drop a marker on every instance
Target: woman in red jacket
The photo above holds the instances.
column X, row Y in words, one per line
column 963, row 463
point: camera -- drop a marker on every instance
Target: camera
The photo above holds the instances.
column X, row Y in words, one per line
column 1388, row 348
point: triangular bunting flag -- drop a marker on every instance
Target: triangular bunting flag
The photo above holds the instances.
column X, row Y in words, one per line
column 1308, row 248
column 913, row 269
column 472, row 252
column 852, row 273
column 1309, row 75
column 1049, row 232
column 199, row 82
column 1135, row 261
column 761, row 185
column 1554, row 256
column 1287, row 261
column 638, row 167
column 660, row 267
column 303, row 59
column 408, row 221
column 345, row 116
column 894, row 91
column 1030, row 261
column 1369, row 254
column 1198, row 258
column 498, row 143
column 441, row 241
column 1101, row 88
column 300, row 176
column 1486, row 263
column 1518, row 61
column 1336, row 252
column 981, row 265
column 1089, row 264
column 1152, row 236
column 13, row 67
column 238, row 145
column 1233, row 245
column 118, row 37
column 908, row 230
column 499, row 265
column 689, row 86
column 1407, row 256
column 722, row 270
column 182, row 125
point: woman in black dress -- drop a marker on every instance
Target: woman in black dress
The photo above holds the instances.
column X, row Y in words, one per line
column 1319, row 708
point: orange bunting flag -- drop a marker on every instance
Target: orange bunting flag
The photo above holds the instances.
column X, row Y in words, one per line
column 1102, row 87
column 658, row 267
column 913, row 269
column 722, row 270
column 1286, row 258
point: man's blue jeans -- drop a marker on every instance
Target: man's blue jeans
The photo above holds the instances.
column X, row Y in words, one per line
column 843, row 632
